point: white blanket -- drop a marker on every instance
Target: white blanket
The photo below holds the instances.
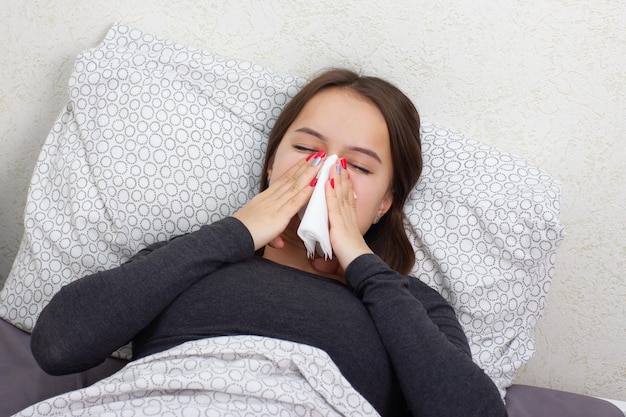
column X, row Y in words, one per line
column 226, row 376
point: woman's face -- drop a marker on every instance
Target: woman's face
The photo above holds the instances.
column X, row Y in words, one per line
column 341, row 122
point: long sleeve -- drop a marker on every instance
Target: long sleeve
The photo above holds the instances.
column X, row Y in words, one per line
column 425, row 343
column 90, row 318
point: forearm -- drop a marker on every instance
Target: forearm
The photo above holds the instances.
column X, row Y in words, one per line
column 92, row 317
column 437, row 376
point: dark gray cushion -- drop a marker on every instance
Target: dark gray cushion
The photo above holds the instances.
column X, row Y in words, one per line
column 23, row 383
column 527, row 401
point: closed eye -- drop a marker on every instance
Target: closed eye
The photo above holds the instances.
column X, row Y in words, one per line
column 360, row 168
column 304, row 148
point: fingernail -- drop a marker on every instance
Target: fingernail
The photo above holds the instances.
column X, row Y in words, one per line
column 317, row 161
column 344, row 163
column 332, row 183
column 313, row 182
column 311, row 156
column 338, row 169
column 322, row 153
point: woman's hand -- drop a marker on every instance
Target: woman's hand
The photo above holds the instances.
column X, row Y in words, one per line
column 345, row 236
column 267, row 215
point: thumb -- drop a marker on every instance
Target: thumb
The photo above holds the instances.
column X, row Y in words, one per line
column 277, row 243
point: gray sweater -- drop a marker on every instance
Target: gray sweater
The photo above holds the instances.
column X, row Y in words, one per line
column 395, row 339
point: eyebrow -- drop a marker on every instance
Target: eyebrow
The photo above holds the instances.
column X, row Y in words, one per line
column 369, row 152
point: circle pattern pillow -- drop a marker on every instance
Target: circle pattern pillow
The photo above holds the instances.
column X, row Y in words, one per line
column 159, row 138
column 485, row 228
column 156, row 140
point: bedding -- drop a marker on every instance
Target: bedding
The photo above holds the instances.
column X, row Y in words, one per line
column 231, row 375
column 159, row 138
column 23, row 383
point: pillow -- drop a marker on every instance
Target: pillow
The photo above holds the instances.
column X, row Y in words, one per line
column 485, row 228
column 159, row 138
column 156, row 140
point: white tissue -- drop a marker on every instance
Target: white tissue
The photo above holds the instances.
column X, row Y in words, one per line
column 313, row 228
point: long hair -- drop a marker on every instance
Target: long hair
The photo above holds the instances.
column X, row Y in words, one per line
column 387, row 238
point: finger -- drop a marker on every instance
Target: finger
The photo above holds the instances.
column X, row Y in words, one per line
column 297, row 178
column 349, row 195
column 344, row 193
column 332, row 198
column 300, row 175
column 341, row 179
column 277, row 243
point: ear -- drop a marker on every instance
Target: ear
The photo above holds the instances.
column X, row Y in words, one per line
column 385, row 204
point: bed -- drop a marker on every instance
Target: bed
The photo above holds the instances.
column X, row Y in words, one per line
column 159, row 138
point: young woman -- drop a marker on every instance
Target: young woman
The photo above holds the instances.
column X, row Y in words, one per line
column 395, row 340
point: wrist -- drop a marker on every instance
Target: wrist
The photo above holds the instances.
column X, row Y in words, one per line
column 347, row 255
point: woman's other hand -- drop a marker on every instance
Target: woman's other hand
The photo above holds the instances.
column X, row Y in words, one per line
column 345, row 236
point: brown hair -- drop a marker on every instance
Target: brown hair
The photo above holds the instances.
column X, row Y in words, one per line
column 386, row 238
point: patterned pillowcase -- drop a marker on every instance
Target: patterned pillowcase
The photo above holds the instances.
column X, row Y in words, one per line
column 156, row 140
column 159, row 138
column 485, row 228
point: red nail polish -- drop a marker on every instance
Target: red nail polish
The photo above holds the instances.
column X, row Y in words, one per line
column 313, row 182
column 321, row 153
column 344, row 163
column 332, row 183
column 311, row 156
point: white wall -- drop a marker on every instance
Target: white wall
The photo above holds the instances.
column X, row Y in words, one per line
column 545, row 80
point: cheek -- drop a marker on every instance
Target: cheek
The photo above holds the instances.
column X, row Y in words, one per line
column 282, row 163
column 367, row 205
